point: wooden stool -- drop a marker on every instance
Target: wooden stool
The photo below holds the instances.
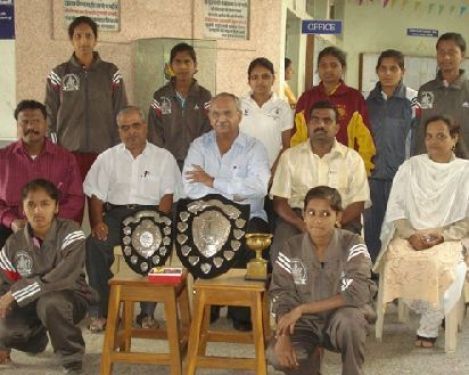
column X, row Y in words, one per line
column 229, row 289
column 136, row 289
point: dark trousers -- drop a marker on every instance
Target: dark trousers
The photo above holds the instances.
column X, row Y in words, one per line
column 99, row 259
column 344, row 332
column 25, row 328
column 255, row 225
column 374, row 216
column 4, row 234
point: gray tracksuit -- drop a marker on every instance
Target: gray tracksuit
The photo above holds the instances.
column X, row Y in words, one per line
column 298, row 277
column 48, row 284
column 82, row 105
column 173, row 124
column 437, row 97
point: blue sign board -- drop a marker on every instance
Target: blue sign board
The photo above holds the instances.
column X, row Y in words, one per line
column 7, row 19
column 321, row 27
column 432, row 33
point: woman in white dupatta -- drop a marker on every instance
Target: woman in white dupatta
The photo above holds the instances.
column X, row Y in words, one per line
column 427, row 216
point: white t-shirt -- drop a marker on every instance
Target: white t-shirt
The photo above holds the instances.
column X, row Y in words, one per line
column 116, row 177
column 266, row 123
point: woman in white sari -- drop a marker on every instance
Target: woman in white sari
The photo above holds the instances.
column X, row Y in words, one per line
column 427, row 216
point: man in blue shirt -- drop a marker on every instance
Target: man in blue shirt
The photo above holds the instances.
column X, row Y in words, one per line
column 228, row 162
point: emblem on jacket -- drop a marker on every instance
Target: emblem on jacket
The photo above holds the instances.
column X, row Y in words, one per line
column 165, row 105
column 24, row 263
column 426, row 99
column 298, row 271
column 71, row 82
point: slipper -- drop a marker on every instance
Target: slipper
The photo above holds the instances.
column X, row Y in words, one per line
column 425, row 342
column 97, row 325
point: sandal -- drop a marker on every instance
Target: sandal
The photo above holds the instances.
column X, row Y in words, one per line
column 97, row 325
column 425, row 342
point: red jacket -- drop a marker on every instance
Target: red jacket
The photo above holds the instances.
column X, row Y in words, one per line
column 354, row 129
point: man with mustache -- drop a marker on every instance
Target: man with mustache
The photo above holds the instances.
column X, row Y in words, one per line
column 83, row 96
column 35, row 156
column 320, row 160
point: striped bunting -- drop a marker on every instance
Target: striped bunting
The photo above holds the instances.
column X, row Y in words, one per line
column 73, row 237
column 26, row 292
column 284, row 262
column 357, row 250
column 54, row 78
column 5, row 263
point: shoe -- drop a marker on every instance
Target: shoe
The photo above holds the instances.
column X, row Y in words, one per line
column 97, row 325
column 41, row 345
column 146, row 321
column 242, row 326
column 73, row 368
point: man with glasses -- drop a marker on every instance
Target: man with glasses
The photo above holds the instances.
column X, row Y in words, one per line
column 320, row 160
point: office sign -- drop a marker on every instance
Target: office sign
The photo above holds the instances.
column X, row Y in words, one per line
column 431, row 33
column 321, row 27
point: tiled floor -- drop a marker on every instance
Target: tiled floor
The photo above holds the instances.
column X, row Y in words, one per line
column 396, row 355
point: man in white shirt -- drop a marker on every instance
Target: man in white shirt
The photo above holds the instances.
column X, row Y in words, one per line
column 228, row 162
column 126, row 178
column 320, row 160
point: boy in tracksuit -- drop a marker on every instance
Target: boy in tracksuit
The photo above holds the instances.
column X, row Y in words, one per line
column 43, row 290
column 321, row 291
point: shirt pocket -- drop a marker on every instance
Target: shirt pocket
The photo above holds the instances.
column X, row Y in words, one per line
column 149, row 188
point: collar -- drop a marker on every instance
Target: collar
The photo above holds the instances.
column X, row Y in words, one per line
column 456, row 84
column 29, row 237
column 251, row 100
column 336, row 148
column 331, row 251
column 48, row 148
column 193, row 90
column 96, row 60
column 341, row 89
column 121, row 148
column 399, row 92
column 240, row 141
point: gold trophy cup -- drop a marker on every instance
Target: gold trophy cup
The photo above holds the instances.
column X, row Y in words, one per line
column 257, row 267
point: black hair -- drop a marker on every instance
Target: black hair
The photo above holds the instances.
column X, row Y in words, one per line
column 80, row 20
column 325, row 192
column 327, row 105
column 287, row 62
column 182, row 47
column 30, row 104
column 335, row 52
column 41, row 184
column 456, row 38
column 393, row 54
column 261, row 61
column 454, row 130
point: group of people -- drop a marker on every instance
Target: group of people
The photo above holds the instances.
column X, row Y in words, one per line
column 308, row 176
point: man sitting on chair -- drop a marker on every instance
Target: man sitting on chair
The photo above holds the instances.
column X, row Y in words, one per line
column 228, row 162
column 132, row 176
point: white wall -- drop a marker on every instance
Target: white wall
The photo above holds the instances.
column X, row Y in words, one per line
column 372, row 28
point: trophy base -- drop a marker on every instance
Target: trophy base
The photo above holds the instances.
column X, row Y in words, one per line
column 256, row 270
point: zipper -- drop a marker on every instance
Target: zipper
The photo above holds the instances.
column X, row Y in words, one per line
column 87, row 125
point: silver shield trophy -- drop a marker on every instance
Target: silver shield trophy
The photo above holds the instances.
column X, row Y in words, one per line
column 210, row 234
column 146, row 240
